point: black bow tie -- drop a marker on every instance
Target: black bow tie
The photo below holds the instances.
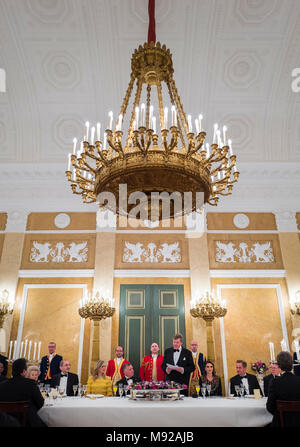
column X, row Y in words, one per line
column 64, row 375
column 175, row 350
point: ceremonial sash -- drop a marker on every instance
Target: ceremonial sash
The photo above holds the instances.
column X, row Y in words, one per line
column 117, row 374
column 195, row 375
column 48, row 373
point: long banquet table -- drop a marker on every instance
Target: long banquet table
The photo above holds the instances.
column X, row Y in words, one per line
column 189, row 412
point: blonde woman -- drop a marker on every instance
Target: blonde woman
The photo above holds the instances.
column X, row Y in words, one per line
column 33, row 373
column 99, row 383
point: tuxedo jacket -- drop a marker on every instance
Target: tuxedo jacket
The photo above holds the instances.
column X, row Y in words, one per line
column 19, row 389
column 267, row 382
column 3, row 360
column 124, row 382
column 296, row 365
column 54, row 367
column 71, row 380
column 185, row 360
column 286, row 387
column 237, row 380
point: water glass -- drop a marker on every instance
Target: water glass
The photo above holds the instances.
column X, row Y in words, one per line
column 237, row 390
column 208, row 387
column 203, row 391
column 121, row 390
column 75, row 388
column 242, row 391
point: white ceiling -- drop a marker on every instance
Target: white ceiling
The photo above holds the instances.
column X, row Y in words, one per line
column 68, row 61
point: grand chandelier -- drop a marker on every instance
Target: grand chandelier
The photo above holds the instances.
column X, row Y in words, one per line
column 166, row 153
column 96, row 307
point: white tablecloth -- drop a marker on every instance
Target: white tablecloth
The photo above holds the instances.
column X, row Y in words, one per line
column 190, row 412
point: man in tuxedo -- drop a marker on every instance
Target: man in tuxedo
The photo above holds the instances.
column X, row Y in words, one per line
column 199, row 368
column 3, row 360
column 286, row 388
column 19, row 388
column 249, row 381
column 129, row 377
column 50, row 364
column 65, row 379
column 295, row 359
column 178, row 363
column 275, row 372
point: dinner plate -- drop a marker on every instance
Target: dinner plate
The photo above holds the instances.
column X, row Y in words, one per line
column 95, row 396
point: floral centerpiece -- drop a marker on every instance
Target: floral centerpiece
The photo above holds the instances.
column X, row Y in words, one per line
column 162, row 385
column 152, row 389
column 259, row 367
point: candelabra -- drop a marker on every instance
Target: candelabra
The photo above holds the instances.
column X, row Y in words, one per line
column 6, row 306
column 295, row 304
column 174, row 158
column 96, row 308
column 209, row 307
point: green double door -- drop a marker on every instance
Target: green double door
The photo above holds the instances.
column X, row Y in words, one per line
column 149, row 313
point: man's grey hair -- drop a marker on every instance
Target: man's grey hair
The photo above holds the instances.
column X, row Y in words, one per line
column 285, row 361
column 242, row 362
column 125, row 366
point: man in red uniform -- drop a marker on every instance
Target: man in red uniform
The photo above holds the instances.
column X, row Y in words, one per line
column 151, row 366
column 114, row 366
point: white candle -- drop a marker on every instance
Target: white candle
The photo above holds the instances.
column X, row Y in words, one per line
column 29, row 349
column 218, row 137
column 197, row 126
column 207, row 151
column 69, row 162
column 173, row 113
column 272, row 353
column 25, row 348
column 224, row 134
column 283, row 345
column 215, row 133
column 87, row 125
column 110, row 120
column 74, row 146
column 105, row 141
column 150, row 116
column 166, row 118
column 34, row 351
column 98, row 131
column 134, row 125
column 39, row 351
column 93, row 135
column 190, row 123
column 21, row 350
column 15, row 350
column 143, row 115
column 137, row 111
column 230, row 148
column 120, row 122
column 10, row 349
column 154, row 124
column 200, row 122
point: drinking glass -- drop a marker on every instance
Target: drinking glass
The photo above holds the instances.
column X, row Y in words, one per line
column 84, row 387
column 54, row 394
column 203, row 391
column 61, row 391
column 115, row 389
column 121, row 390
column 75, row 388
column 208, row 387
column 237, row 390
column 197, row 390
column 242, row 391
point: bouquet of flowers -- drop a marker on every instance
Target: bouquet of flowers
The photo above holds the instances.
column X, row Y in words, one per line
column 145, row 385
column 259, row 367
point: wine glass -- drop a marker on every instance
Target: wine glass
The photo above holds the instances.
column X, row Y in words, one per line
column 242, row 390
column 121, row 390
column 208, row 387
column 115, row 389
column 203, row 391
column 197, row 390
column 61, row 391
column 54, row 394
column 75, row 388
column 237, row 390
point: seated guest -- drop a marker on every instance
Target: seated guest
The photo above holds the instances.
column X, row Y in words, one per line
column 286, row 388
column 210, row 378
column 99, row 383
column 50, row 364
column 199, row 368
column 178, row 363
column 33, row 373
column 129, row 377
column 65, row 379
column 19, row 388
column 275, row 372
column 114, row 366
column 249, row 381
column 3, row 360
column 151, row 366
column 2, row 376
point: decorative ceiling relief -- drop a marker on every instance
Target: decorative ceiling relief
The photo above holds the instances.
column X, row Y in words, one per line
column 151, row 252
column 246, row 252
column 58, row 252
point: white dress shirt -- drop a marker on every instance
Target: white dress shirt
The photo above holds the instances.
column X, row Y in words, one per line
column 63, row 383
column 245, row 384
column 176, row 356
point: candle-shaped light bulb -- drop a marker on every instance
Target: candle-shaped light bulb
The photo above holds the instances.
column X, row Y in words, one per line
column 150, row 116
column 143, row 115
column 105, row 141
column 215, row 133
column 39, row 350
column 173, row 113
column 218, row 137
column 29, row 349
column 197, row 126
column 224, row 134
column 190, row 123
column 74, row 146
column 87, row 125
column 120, row 122
column 10, row 350
column 154, row 124
column 92, row 135
column 111, row 115
column 207, row 150
column 137, row 111
column 230, row 148
column 200, row 122
column 166, row 118
column 98, row 131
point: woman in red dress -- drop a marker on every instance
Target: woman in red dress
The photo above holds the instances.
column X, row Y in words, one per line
column 151, row 366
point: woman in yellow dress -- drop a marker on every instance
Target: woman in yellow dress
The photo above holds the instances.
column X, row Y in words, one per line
column 99, row 383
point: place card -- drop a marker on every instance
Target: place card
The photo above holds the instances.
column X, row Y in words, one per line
column 257, row 394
